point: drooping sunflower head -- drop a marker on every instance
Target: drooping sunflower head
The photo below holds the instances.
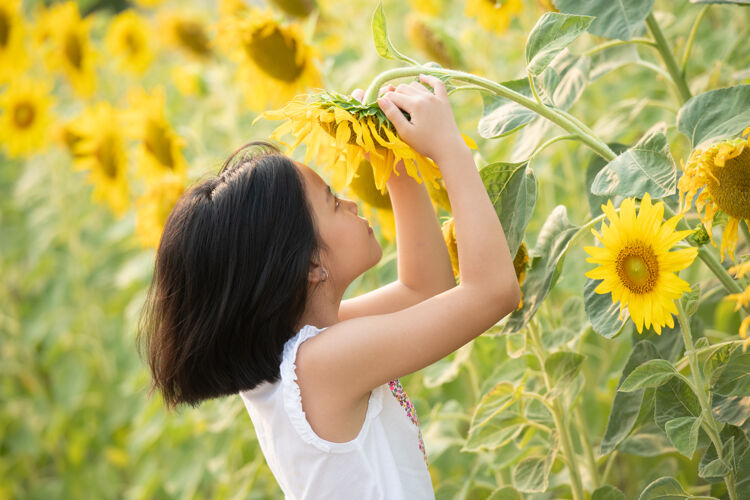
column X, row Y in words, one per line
column 128, row 40
column 25, row 118
column 494, row 15
column 721, row 172
column 187, row 32
column 100, row 149
column 275, row 62
column 635, row 264
column 338, row 130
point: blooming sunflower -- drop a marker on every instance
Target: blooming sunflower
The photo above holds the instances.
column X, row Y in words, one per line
column 635, row 264
column 187, row 32
column 129, row 41
column 153, row 208
column 275, row 62
column 26, row 117
column 100, row 149
column 71, row 49
column 13, row 58
column 722, row 172
column 338, row 130
column 160, row 148
column 493, row 15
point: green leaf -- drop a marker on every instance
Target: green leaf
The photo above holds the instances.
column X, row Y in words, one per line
column 512, row 189
column 446, row 369
column 673, row 400
column 515, row 344
column 602, row 312
column 646, row 167
column 562, row 368
column 496, row 420
column 607, row 493
column 733, row 410
column 714, row 115
column 683, row 433
column 532, row 474
column 570, row 79
column 551, row 34
column 505, row 493
column 621, row 19
column 648, row 441
column 596, row 164
column 667, row 488
column 551, row 245
column 735, row 378
column 501, row 116
column 383, row 44
column 626, row 405
column 652, row 373
column 690, row 300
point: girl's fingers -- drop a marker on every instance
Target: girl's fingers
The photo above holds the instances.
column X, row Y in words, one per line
column 393, row 113
column 419, row 87
column 386, row 88
column 436, row 83
column 403, row 101
column 404, row 88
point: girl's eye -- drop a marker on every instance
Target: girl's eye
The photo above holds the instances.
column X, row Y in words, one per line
column 337, row 202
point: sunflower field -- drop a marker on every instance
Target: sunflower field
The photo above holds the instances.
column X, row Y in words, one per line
column 613, row 138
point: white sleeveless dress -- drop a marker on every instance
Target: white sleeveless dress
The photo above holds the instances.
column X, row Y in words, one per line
column 385, row 461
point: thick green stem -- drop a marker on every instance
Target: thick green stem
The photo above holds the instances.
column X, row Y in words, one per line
column 691, row 38
column 668, row 58
column 587, row 448
column 707, row 419
column 554, row 115
column 552, row 141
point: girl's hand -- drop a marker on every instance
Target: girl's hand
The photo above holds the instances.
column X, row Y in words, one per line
column 432, row 129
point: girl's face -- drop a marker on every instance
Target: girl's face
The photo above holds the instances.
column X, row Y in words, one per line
column 352, row 245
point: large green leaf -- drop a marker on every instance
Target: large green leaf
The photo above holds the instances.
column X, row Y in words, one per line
column 551, row 246
column 501, row 116
column 716, row 114
column 602, row 312
column 735, row 378
column 652, row 373
column 561, row 368
column 647, row 441
column 646, row 167
column 683, row 433
column 733, row 410
column 496, row 420
column 673, row 400
column 622, row 19
column 667, row 488
column 512, row 190
column 380, row 37
column 446, row 369
column 571, row 76
column 596, row 164
column 551, row 34
column 531, row 475
column 627, row 405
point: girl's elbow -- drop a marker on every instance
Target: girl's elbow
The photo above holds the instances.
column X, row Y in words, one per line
column 508, row 298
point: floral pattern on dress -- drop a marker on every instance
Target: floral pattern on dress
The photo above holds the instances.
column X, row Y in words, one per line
column 411, row 411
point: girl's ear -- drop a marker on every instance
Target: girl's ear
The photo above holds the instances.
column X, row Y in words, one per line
column 316, row 273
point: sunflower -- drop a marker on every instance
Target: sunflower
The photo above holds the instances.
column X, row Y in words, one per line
column 636, row 265
column 295, row 8
column 186, row 31
column 129, row 41
column 13, row 58
column 160, row 149
column 722, row 172
column 153, row 208
column 100, row 149
column 430, row 38
column 338, row 130
column 25, row 118
column 71, row 49
column 188, row 80
column 431, row 8
column 493, row 15
column 275, row 62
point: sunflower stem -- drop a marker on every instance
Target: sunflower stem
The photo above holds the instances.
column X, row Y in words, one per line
column 707, row 419
column 668, row 58
column 587, row 448
column 548, row 143
column 533, row 89
column 554, row 115
column 691, row 38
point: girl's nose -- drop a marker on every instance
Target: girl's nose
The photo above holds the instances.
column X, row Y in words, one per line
column 352, row 205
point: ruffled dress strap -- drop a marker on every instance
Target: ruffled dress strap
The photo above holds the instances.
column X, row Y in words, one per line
column 293, row 399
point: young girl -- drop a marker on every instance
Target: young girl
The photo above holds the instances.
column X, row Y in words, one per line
column 247, row 298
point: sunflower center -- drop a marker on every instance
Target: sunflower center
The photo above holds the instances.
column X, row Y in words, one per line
column 73, row 50
column 132, row 43
column 730, row 187
column 158, row 144
column 23, row 115
column 4, row 28
column 637, row 267
column 192, row 36
column 106, row 153
column 275, row 54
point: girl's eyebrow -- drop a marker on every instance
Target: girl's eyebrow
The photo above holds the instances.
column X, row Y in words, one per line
column 329, row 194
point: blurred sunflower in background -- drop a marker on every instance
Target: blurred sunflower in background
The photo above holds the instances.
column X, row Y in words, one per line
column 186, row 31
column 275, row 63
column 159, row 151
column 635, row 263
column 494, row 15
column 153, row 208
column 13, row 58
column 429, row 37
column 99, row 148
column 721, row 172
column 129, row 41
column 295, row 8
column 67, row 46
column 26, row 116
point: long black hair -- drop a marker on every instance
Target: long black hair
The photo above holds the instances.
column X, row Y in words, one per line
column 230, row 279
